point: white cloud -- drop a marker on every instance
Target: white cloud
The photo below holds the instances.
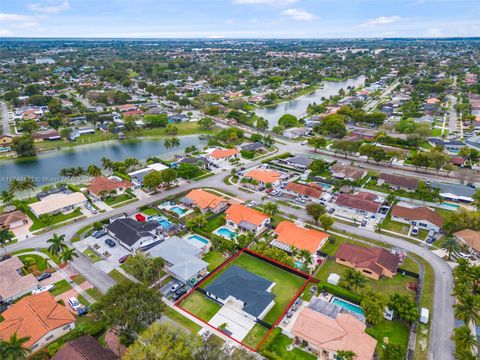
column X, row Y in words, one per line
column 5, row 32
column 299, row 14
column 267, row 2
column 5, row 17
column 383, row 20
column 50, row 7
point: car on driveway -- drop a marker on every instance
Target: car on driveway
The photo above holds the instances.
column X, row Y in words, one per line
column 415, row 231
column 43, row 276
column 251, row 204
column 110, row 243
column 124, row 258
column 178, row 294
column 82, row 311
column 175, row 287
column 99, row 233
column 331, row 210
column 74, row 303
column 43, row 289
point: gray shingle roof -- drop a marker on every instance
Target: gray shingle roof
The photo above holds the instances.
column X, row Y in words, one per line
column 130, row 231
column 245, row 286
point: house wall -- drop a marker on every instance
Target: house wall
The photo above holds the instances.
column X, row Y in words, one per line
column 267, row 309
column 52, row 336
column 367, row 273
column 65, row 209
column 422, row 224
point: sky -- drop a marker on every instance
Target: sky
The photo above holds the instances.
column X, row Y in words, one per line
column 239, row 18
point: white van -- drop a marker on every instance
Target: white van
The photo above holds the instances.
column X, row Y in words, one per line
column 424, row 315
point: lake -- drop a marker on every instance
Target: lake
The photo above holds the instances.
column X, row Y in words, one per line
column 45, row 167
column 298, row 106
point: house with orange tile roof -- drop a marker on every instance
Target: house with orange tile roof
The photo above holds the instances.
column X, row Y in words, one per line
column 221, row 157
column 38, row 317
column 289, row 234
column 471, row 238
column 328, row 329
column 13, row 284
column 312, row 192
column 245, row 219
column 108, row 185
column 421, row 216
column 432, row 100
column 264, row 176
column 205, row 201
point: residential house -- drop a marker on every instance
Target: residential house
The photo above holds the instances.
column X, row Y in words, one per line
column 39, row 318
column 423, row 217
column 220, row 157
column 12, row 220
column 454, row 192
column 264, row 176
column 13, row 284
column 85, row 347
column 255, row 146
column 312, row 191
column 451, row 146
column 372, row 262
column 76, row 133
column 361, row 201
column 182, row 259
column 327, row 330
column 298, row 161
column 205, row 201
column 239, row 288
column 347, row 172
column 6, row 141
column 50, row 135
column 199, row 161
column 58, row 203
column 246, row 219
column 138, row 175
column 289, row 234
column 133, row 235
column 101, row 186
column 398, row 181
column 294, row 133
column 471, row 238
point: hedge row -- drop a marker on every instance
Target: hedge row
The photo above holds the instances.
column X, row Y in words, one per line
column 341, row 292
column 281, row 156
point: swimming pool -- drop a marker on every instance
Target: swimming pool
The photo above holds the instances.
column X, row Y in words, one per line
column 347, row 305
column 298, row 264
column 453, row 206
column 198, row 240
column 178, row 210
column 164, row 223
column 226, row 233
column 324, row 185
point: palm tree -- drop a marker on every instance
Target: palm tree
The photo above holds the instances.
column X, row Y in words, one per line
column 107, row 164
column 464, row 338
column 15, row 186
column 131, row 162
column 451, row 246
column 307, row 259
column 5, row 236
column 7, row 197
column 465, row 355
column 68, row 255
column 28, row 184
column 94, row 170
column 13, row 348
column 270, row 208
column 354, row 279
column 468, row 309
column 172, row 142
column 57, row 244
column 345, row 355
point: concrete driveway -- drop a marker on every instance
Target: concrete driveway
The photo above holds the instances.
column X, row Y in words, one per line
column 114, row 253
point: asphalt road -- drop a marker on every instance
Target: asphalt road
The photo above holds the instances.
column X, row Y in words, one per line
column 452, row 114
column 5, row 124
column 371, row 105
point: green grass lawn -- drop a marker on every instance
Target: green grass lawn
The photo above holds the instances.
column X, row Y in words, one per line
column 201, row 306
column 55, row 258
column 286, row 284
column 94, row 293
column 278, row 346
column 151, row 211
column 331, row 248
column 385, row 286
column 255, row 335
column 92, row 256
column 214, row 223
column 60, row 287
column 182, row 320
column 113, row 200
column 118, row 276
column 78, row 279
column 395, row 226
column 58, row 218
column 40, row 262
column 214, row 259
column 396, row 331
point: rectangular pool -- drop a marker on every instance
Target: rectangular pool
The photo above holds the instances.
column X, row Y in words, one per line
column 178, row 210
column 198, row 241
column 347, row 305
column 226, row 233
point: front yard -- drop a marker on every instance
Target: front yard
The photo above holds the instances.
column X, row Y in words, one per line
column 114, row 200
column 200, row 305
column 53, row 219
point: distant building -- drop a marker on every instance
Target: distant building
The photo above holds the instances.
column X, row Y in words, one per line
column 471, row 238
column 12, row 220
column 58, row 203
column 85, row 347
column 110, row 186
column 398, row 181
column 295, row 133
column 312, row 191
column 361, row 201
column 13, row 284
column 264, row 176
column 347, row 172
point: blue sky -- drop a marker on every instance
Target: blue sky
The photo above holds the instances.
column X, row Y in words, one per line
column 239, row 18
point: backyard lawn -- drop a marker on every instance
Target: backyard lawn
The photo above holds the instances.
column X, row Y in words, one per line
column 286, row 284
column 151, row 211
column 396, row 331
column 214, row 259
column 112, row 200
column 200, row 305
column 255, row 335
column 60, row 287
column 278, row 346
column 214, row 223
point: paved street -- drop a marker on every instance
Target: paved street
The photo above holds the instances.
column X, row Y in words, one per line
column 4, row 115
column 371, row 105
column 452, row 114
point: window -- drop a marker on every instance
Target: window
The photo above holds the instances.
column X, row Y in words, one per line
column 367, row 272
column 50, row 337
column 66, row 327
column 34, row 346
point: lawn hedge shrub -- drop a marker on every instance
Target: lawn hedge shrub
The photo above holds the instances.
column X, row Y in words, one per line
column 341, row 292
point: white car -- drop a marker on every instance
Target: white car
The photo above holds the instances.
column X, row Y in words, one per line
column 252, row 203
column 74, row 303
column 42, row 289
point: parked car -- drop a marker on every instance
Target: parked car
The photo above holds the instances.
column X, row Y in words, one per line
column 331, row 210
column 124, row 258
column 74, row 303
column 110, row 243
column 82, row 311
column 415, row 231
column 43, row 276
column 252, row 203
column 43, row 289
column 300, row 200
column 175, row 287
column 99, row 233
column 178, row 294
column 364, row 222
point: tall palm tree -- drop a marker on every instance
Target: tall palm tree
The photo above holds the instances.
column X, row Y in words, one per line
column 464, row 338
column 451, row 246
column 94, row 171
column 57, row 244
column 15, row 186
column 131, row 162
column 68, row 255
column 107, row 164
column 468, row 309
column 13, row 348
column 354, row 279
column 7, row 197
column 465, row 355
column 5, row 236
column 270, row 208
column 28, row 184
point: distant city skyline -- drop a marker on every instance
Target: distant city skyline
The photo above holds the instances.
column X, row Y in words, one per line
column 239, row 18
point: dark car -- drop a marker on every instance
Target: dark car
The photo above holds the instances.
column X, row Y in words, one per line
column 178, row 294
column 82, row 311
column 124, row 258
column 99, row 234
column 331, row 210
column 110, row 243
column 43, row 276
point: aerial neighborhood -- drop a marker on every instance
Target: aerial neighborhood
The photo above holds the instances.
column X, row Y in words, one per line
column 160, row 198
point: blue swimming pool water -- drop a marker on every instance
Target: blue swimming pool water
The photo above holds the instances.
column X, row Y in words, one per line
column 453, row 206
column 324, row 185
column 198, row 238
column 178, row 210
column 164, row 223
column 226, row 233
column 298, row 264
column 349, row 306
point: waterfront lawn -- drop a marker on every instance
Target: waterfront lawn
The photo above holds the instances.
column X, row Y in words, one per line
column 60, row 287
column 278, row 346
column 255, row 335
column 200, row 305
column 55, row 219
column 286, row 286
column 214, row 259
